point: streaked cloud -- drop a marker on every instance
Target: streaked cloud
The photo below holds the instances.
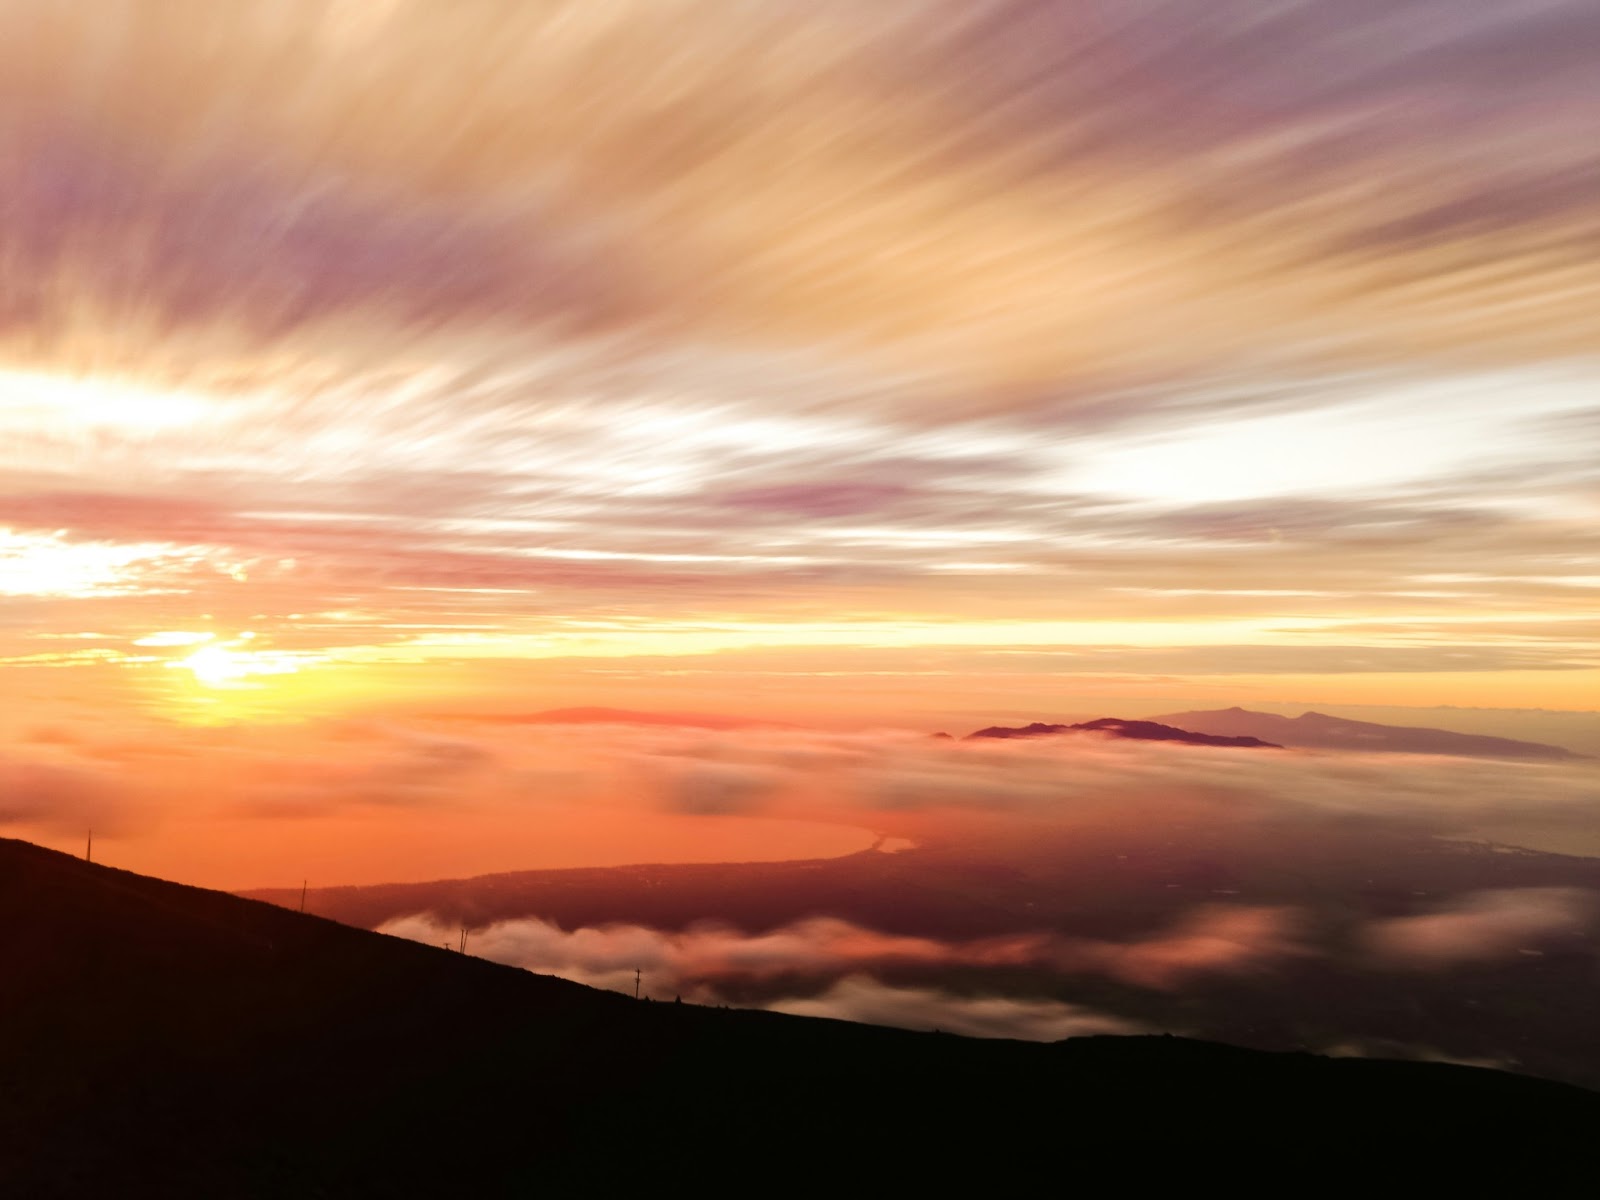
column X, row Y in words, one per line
column 838, row 327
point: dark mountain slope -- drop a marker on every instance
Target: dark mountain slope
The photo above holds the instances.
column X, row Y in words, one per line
column 1315, row 730
column 163, row 1040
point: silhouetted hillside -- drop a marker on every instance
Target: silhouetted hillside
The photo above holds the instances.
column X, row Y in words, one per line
column 1320, row 731
column 1144, row 731
column 164, row 1040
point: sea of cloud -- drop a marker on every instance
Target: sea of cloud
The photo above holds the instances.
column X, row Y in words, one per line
column 340, row 783
column 141, row 783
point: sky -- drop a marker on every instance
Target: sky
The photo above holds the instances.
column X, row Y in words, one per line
column 832, row 363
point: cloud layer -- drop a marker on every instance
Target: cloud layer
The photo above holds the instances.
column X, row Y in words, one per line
column 834, row 968
column 1484, row 927
column 363, row 801
column 1212, row 940
column 1117, row 880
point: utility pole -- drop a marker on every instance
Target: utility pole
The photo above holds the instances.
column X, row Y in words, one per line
column 88, row 849
column 463, row 947
column 303, row 883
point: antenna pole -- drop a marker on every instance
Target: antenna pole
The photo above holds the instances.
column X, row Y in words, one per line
column 636, row 983
column 88, row 849
column 303, row 883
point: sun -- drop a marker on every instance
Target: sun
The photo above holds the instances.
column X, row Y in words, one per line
column 216, row 666
column 228, row 681
column 224, row 666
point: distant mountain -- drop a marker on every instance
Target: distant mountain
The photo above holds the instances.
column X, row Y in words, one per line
column 1144, row 731
column 159, row 1040
column 1320, row 731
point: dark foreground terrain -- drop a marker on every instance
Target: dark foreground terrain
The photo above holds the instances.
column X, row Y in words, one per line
column 164, row 1040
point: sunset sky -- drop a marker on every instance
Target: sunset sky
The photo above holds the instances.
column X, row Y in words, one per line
column 824, row 361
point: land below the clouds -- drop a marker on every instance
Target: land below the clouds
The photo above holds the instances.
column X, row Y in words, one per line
column 156, row 1038
column 1123, row 880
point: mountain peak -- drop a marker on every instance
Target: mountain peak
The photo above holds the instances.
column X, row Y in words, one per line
column 1317, row 730
column 1119, row 727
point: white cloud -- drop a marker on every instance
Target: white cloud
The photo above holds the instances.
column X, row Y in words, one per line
column 873, row 1003
column 1483, row 926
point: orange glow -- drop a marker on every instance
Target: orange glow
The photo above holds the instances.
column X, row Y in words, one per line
column 852, row 365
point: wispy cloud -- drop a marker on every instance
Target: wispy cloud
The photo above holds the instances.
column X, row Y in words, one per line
column 864, row 999
column 1213, row 940
column 1484, row 927
column 952, row 313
